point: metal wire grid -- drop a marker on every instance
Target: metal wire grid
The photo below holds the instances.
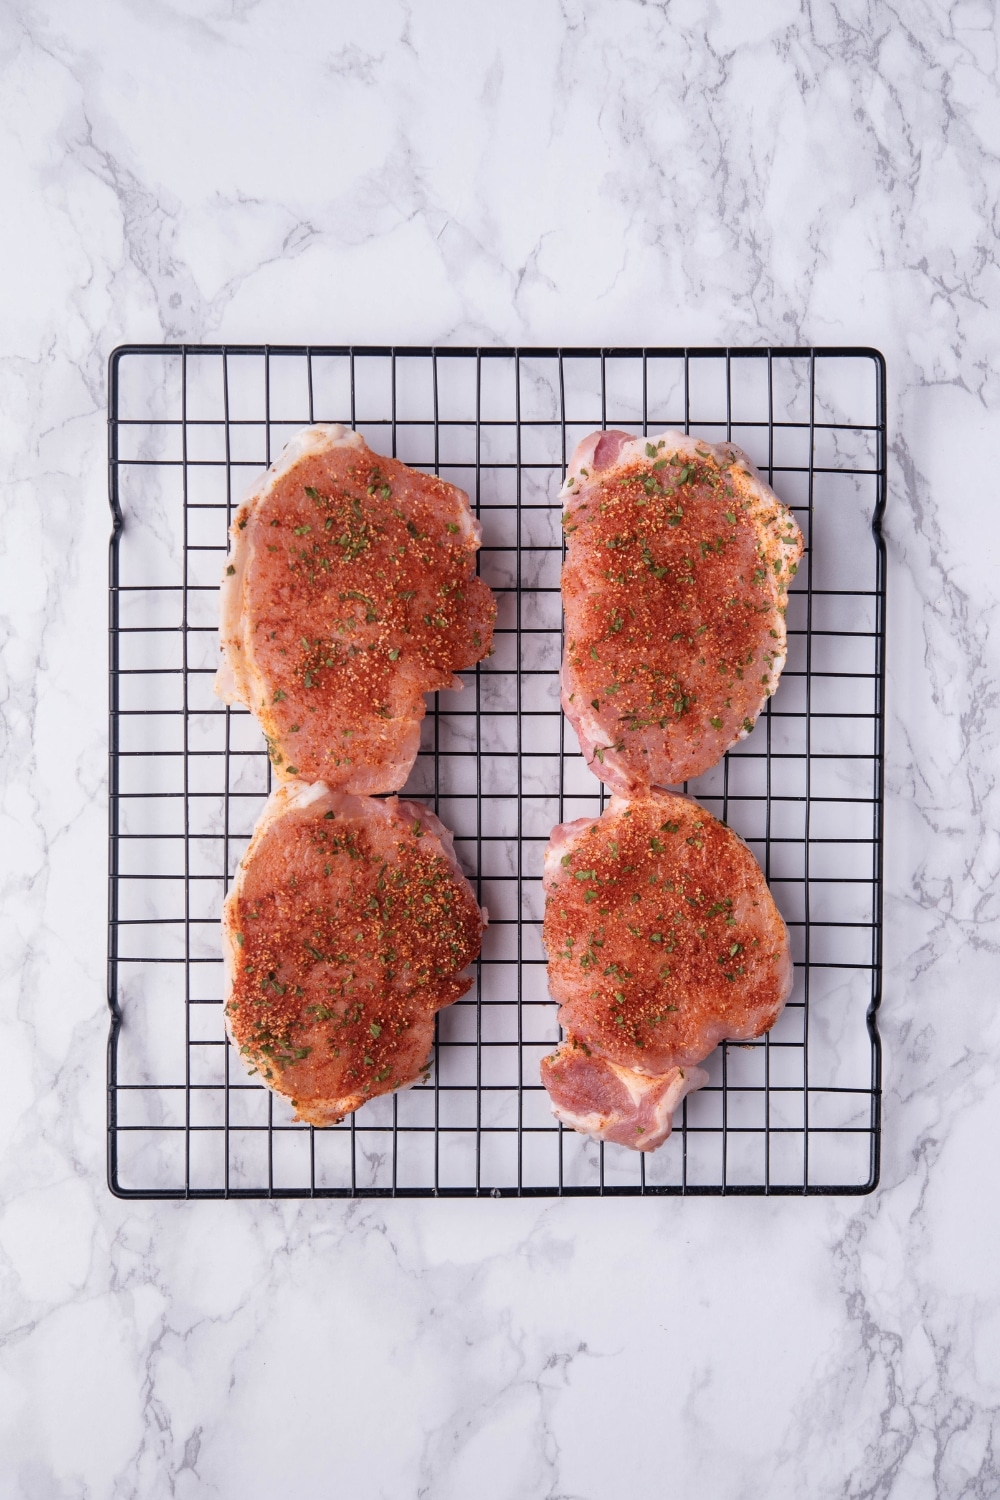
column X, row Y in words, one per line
column 796, row 1112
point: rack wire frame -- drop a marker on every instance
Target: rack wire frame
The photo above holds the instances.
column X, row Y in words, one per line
column 796, row 1113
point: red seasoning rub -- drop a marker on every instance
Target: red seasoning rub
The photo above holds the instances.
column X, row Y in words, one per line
column 662, row 938
column 349, row 592
column 348, row 926
column 675, row 587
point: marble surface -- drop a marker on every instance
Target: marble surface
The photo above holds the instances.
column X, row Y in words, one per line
column 587, row 171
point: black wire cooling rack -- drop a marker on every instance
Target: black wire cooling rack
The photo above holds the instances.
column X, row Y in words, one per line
column 797, row 1111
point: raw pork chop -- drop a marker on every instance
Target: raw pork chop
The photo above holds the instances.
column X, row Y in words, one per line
column 350, row 591
column 662, row 939
column 675, row 585
column 347, row 927
column 611, row 1103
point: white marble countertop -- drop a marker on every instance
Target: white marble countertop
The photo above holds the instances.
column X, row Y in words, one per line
column 595, row 171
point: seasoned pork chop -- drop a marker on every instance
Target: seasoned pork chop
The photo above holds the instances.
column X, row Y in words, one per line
column 674, row 587
column 348, row 925
column 662, row 939
column 349, row 592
